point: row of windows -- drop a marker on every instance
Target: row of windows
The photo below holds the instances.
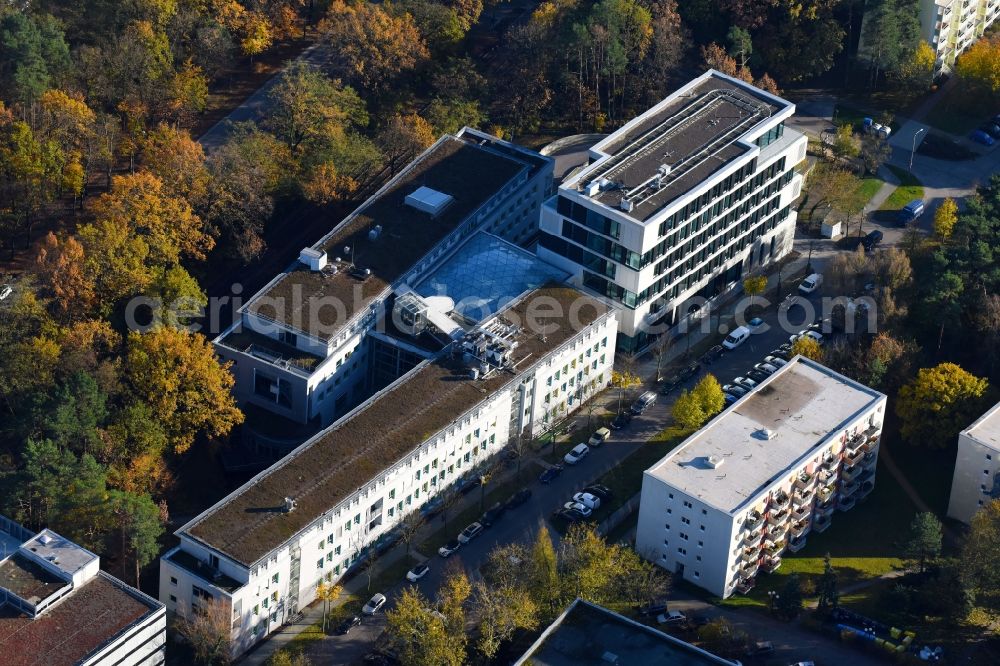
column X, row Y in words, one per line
column 771, row 135
column 705, row 199
column 577, row 255
column 588, row 218
column 601, row 245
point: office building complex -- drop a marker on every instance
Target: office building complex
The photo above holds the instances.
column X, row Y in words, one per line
column 759, row 477
column 977, row 467
column 300, row 348
column 679, row 204
column 318, row 512
column 58, row 608
column 952, row 26
column 586, row 634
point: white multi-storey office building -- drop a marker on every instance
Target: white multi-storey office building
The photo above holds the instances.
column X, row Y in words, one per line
column 952, row 26
column 59, row 609
column 680, row 203
column 977, row 467
column 300, row 347
column 263, row 549
column 759, row 477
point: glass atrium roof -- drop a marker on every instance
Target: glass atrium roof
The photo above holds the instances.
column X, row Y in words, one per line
column 485, row 273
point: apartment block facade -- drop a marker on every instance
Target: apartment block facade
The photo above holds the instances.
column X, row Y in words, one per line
column 976, row 480
column 755, row 481
column 300, row 348
column 58, row 608
column 319, row 512
column 952, row 26
column 679, row 204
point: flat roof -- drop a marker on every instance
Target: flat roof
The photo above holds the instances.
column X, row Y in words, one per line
column 75, row 627
column 62, row 553
column 986, row 429
column 589, row 635
column 455, row 166
column 801, row 404
column 337, row 462
column 694, row 132
column 29, row 580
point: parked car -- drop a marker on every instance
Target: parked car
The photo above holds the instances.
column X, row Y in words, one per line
column 740, row 335
column 470, row 532
column 979, row 136
column 643, row 402
column 621, row 421
column 592, row 502
column 417, row 572
column 576, row 506
column 578, row 453
column 755, row 323
column 467, row 485
column 671, row 384
column 5, row 291
column 766, row 367
column 811, row 283
column 374, row 604
column 550, row 473
column 806, row 333
column 993, row 129
column 712, row 354
column 432, row 508
column 449, row 548
column 745, row 382
column 492, row 515
column 735, row 389
column 345, row 627
column 785, row 347
column 759, row 648
column 569, row 515
column 729, row 399
column 757, row 375
column 776, row 361
column 600, row 436
column 690, row 371
column 518, row 498
column 653, row 609
column 672, row 617
column 598, row 490
column 872, row 239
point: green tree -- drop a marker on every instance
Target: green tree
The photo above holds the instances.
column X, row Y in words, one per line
column 916, row 72
column 687, row 411
column 419, row 635
column 845, row 143
column 740, row 44
column 502, row 610
column 624, row 380
column 829, row 595
column 754, row 286
column 452, row 595
column 709, row 395
column 923, row 543
column 890, row 32
column 73, row 417
column 938, row 403
column 327, row 593
column 33, row 55
column 140, row 526
column 543, row 573
column 945, row 218
column 875, row 151
column 789, row 602
column 807, row 347
column 179, row 295
column 980, row 560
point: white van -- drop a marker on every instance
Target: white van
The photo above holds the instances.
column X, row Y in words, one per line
column 736, row 338
column 811, row 283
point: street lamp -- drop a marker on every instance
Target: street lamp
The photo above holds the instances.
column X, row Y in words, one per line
column 913, row 145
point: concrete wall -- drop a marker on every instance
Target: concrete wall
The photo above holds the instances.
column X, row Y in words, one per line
column 974, row 482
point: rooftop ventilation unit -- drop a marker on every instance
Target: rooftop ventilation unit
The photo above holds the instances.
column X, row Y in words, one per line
column 375, row 232
column 313, row 258
column 593, row 187
column 45, row 539
column 289, row 505
column 715, row 462
column 429, row 200
column 626, row 204
column 766, row 433
column 664, row 170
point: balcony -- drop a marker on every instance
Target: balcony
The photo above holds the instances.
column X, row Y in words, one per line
column 855, row 443
column 750, row 555
column 870, row 458
column 820, row 523
column 753, row 521
column 825, row 493
column 749, row 570
column 804, row 481
column 752, row 540
column 799, row 528
column 780, row 500
column 745, row 585
column 848, row 489
column 776, row 532
column 866, row 488
column 795, row 545
column 846, row 503
column 771, row 564
column 803, row 512
column 803, row 498
column 830, row 463
column 852, row 458
column 777, row 517
column 850, row 473
column 774, row 547
column 871, row 447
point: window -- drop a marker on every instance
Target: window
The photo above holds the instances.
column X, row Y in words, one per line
column 670, row 495
column 287, row 337
column 698, row 558
column 173, row 599
column 688, row 504
column 322, row 545
column 319, row 565
column 274, row 578
column 329, row 557
column 686, row 521
column 701, row 544
column 256, row 610
column 667, row 527
column 173, row 581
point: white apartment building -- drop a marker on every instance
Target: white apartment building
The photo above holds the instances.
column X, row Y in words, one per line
column 59, row 609
column 679, row 204
column 315, row 514
column 300, row 347
column 952, row 26
column 758, row 478
column 977, row 467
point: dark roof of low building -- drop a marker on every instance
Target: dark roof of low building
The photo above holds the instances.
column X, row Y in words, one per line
column 339, row 461
column 74, row 628
column 28, row 580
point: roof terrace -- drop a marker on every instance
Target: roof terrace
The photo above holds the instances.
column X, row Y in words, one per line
column 29, row 580
column 327, row 469
column 321, row 302
column 677, row 145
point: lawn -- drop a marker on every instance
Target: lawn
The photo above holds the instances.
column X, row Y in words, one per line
column 910, row 188
column 867, row 188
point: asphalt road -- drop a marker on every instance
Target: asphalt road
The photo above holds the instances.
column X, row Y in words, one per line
column 521, row 524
